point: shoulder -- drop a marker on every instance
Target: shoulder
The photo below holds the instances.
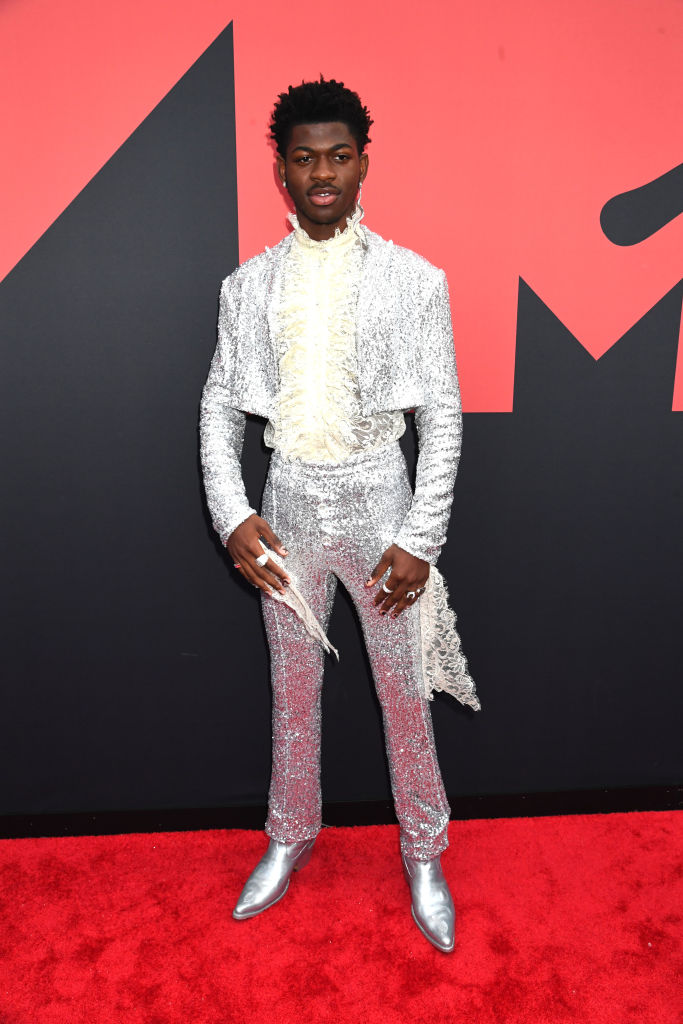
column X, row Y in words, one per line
column 257, row 267
column 403, row 262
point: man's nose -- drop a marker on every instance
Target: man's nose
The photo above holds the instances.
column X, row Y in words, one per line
column 324, row 169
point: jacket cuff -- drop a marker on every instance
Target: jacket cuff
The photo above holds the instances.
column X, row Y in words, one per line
column 227, row 528
column 427, row 552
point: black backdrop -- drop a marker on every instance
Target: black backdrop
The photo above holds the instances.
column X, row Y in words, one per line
column 135, row 671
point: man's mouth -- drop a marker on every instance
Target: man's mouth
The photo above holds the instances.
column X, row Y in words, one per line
column 323, row 196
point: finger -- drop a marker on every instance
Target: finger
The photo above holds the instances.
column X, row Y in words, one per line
column 266, row 574
column 401, row 605
column 272, row 539
column 387, row 601
column 396, row 602
column 387, row 589
column 268, row 577
column 256, row 581
column 238, row 561
column 411, row 595
column 274, row 574
column 278, row 571
column 379, row 570
column 269, row 566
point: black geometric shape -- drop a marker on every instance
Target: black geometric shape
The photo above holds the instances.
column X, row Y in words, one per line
column 633, row 216
column 567, row 550
column 118, row 598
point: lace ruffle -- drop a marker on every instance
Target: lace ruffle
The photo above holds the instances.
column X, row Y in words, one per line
column 293, row 597
column 353, row 230
column 444, row 666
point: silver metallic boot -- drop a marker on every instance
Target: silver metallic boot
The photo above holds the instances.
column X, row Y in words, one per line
column 269, row 880
column 432, row 909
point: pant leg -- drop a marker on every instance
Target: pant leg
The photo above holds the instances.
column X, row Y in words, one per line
column 338, row 520
column 297, row 661
column 420, row 801
column 381, row 498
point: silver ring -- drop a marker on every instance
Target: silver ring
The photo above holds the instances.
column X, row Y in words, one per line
column 262, row 559
column 412, row 594
column 386, row 590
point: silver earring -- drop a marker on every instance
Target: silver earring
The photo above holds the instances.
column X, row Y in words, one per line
column 284, row 183
column 360, row 190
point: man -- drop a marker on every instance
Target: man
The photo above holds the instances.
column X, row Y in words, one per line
column 332, row 335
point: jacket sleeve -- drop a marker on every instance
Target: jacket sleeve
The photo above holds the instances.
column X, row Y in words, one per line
column 439, row 433
column 221, row 436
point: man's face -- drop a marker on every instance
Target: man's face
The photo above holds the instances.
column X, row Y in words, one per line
column 322, row 169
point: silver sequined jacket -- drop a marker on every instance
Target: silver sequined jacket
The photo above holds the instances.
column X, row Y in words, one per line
column 406, row 361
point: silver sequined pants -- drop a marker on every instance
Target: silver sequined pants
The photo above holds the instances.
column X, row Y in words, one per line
column 335, row 521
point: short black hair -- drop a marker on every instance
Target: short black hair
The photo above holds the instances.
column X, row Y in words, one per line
column 318, row 103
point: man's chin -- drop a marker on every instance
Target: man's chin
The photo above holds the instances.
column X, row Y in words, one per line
column 325, row 214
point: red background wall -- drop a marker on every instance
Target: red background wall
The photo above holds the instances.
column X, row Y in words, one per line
column 501, row 131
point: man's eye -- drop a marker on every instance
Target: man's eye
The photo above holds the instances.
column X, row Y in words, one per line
column 303, row 159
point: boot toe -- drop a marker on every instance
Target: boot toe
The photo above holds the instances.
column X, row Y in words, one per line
column 440, row 931
column 252, row 900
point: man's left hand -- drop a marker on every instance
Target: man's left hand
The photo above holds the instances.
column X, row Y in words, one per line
column 408, row 576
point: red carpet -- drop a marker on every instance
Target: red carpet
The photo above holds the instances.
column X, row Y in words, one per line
column 559, row 919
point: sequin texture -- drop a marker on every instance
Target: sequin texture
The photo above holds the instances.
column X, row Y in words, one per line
column 336, row 520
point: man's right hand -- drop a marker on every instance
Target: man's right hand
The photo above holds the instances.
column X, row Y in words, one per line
column 244, row 547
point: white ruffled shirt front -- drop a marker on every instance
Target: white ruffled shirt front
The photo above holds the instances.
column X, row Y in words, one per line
column 318, row 414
